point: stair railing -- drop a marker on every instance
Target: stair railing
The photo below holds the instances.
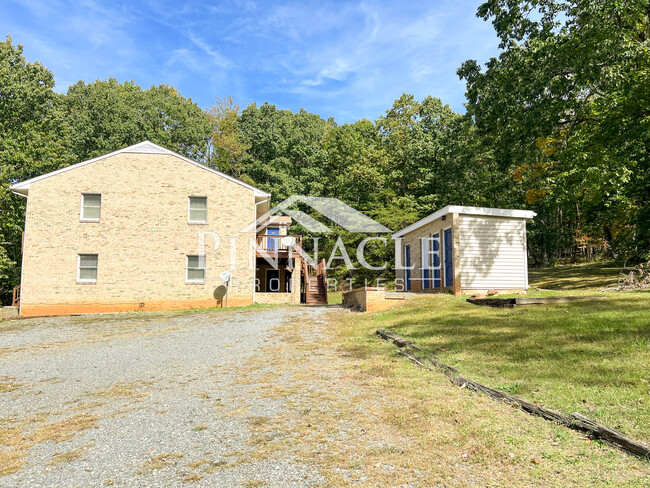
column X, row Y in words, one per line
column 16, row 298
column 321, row 272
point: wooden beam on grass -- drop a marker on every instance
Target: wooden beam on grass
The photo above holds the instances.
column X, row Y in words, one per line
column 575, row 421
column 511, row 302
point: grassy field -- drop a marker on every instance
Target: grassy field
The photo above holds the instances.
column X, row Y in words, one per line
column 589, row 357
column 575, row 277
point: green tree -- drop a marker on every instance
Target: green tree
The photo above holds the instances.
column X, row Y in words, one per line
column 566, row 108
column 27, row 147
column 354, row 164
column 100, row 117
column 284, row 153
column 226, row 146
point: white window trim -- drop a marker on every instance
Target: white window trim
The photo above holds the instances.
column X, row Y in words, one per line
column 79, row 278
column 187, row 269
column 81, row 212
column 190, row 221
column 436, row 236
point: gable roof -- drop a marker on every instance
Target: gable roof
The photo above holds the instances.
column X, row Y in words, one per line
column 144, row 147
column 450, row 209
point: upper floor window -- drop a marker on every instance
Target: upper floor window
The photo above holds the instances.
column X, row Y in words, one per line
column 87, row 268
column 91, row 204
column 197, row 209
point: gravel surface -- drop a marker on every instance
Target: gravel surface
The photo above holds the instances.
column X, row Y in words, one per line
column 159, row 393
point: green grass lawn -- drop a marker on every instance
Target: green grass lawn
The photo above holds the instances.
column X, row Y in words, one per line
column 334, row 297
column 575, row 276
column 589, row 357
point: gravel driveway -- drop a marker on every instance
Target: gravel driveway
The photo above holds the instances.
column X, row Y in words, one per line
column 143, row 399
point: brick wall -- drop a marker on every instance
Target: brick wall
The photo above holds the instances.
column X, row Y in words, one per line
column 355, row 299
column 275, row 298
column 142, row 238
column 369, row 299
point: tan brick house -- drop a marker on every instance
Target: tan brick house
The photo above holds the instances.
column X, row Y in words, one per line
column 121, row 232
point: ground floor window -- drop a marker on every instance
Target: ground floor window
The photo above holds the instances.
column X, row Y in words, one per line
column 87, row 268
column 195, row 268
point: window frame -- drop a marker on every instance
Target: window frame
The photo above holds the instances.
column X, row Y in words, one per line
column 189, row 200
column 86, row 280
column 187, row 268
column 435, row 238
column 407, row 266
column 82, row 217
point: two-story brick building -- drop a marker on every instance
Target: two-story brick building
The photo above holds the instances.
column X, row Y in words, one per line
column 121, row 232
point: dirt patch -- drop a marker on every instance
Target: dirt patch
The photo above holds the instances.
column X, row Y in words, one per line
column 19, row 436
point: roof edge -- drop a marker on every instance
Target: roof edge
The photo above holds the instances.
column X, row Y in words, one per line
column 134, row 149
column 466, row 210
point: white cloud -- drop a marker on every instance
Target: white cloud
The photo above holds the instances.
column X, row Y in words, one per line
column 218, row 59
column 348, row 59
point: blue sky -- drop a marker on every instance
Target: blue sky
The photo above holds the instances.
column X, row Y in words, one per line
column 346, row 59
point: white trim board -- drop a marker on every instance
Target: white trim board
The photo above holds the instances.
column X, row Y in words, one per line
column 144, row 147
column 460, row 209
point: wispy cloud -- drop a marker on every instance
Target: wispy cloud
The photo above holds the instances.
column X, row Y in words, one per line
column 346, row 59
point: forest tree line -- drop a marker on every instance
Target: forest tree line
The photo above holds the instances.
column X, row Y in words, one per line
column 558, row 123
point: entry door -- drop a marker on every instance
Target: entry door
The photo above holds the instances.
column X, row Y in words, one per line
column 272, row 280
column 435, row 239
column 449, row 262
column 273, row 241
column 407, row 264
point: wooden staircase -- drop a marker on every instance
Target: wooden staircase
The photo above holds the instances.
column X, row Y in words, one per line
column 315, row 282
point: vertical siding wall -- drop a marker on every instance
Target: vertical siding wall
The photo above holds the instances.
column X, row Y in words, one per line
column 142, row 238
column 493, row 253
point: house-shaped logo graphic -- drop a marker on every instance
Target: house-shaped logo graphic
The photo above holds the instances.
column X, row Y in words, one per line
column 333, row 209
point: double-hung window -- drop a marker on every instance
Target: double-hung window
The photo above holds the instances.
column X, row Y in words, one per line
column 195, row 269
column 91, row 205
column 87, row 268
column 197, row 211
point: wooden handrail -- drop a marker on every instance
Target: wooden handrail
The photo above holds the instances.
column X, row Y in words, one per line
column 264, row 242
column 16, row 298
column 322, row 271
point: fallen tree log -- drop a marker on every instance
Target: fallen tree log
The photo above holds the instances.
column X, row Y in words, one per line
column 575, row 421
column 512, row 302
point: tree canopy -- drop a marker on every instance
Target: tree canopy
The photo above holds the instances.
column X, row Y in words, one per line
column 565, row 108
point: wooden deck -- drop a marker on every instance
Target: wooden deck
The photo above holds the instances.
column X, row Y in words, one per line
column 275, row 245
